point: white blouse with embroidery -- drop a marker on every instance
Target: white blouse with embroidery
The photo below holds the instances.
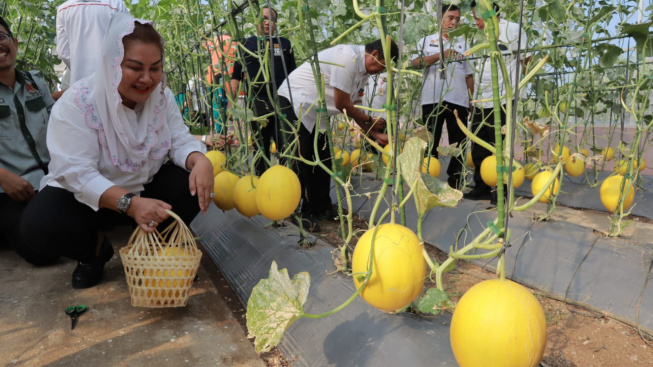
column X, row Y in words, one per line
column 81, row 161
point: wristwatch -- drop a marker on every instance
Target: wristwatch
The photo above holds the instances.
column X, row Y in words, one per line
column 203, row 139
column 123, row 202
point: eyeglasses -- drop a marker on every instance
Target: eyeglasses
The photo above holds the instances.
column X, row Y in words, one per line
column 5, row 38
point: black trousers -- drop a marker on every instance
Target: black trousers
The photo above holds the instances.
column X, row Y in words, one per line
column 315, row 182
column 483, row 127
column 11, row 212
column 262, row 135
column 435, row 115
column 55, row 224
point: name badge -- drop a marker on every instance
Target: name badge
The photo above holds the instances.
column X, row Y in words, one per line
column 30, row 88
column 33, row 92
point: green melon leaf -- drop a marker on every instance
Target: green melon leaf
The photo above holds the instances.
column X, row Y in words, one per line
column 574, row 36
column 463, row 31
column 609, row 54
column 449, row 151
column 339, row 11
column 244, row 114
column 275, row 303
column 641, row 34
column 557, row 11
column 433, row 302
column 416, row 27
column 603, row 11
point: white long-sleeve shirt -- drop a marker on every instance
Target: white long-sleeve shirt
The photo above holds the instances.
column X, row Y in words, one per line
column 452, row 88
column 508, row 43
column 82, row 165
column 342, row 67
column 81, row 27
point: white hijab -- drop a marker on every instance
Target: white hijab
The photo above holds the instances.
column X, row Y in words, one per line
column 131, row 136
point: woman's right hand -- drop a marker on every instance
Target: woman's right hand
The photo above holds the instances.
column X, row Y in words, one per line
column 146, row 211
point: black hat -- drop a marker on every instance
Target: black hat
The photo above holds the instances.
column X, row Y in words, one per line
column 4, row 24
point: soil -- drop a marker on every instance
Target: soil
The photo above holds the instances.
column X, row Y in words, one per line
column 273, row 358
column 575, row 336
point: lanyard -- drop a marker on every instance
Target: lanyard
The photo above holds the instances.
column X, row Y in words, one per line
column 23, row 127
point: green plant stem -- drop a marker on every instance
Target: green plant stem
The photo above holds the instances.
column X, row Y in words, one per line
column 391, row 128
column 494, row 252
column 624, row 190
column 428, row 259
column 460, row 253
column 368, row 275
column 537, row 196
column 352, row 28
column 495, row 55
column 473, row 136
column 343, row 305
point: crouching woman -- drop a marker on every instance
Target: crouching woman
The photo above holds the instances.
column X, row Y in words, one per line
column 120, row 154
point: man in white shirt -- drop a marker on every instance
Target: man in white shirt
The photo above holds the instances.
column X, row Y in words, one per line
column 511, row 39
column 81, row 27
column 445, row 89
column 345, row 70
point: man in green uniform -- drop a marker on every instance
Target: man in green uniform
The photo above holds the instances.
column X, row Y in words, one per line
column 25, row 104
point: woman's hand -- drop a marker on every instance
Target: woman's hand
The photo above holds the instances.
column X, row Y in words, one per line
column 148, row 213
column 201, row 179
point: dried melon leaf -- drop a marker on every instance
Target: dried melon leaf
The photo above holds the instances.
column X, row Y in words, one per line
column 275, row 303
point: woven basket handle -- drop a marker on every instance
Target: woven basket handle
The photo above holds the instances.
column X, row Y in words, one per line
column 176, row 233
column 172, row 214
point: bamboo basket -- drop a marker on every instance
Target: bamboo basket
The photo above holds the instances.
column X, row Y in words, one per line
column 160, row 266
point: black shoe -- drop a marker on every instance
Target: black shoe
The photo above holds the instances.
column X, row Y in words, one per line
column 89, row 275
column 309, row 223
column 493, row 199
column 479, row 194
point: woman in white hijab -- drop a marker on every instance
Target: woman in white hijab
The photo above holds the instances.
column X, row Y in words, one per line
column 120, row 154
